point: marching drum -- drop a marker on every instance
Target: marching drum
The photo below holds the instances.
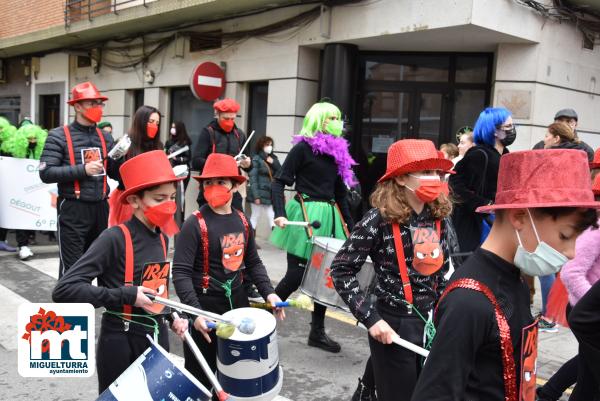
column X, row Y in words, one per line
column 248, row 364
column 317, row 282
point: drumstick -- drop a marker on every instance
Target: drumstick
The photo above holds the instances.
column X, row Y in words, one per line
column 178, row 152
column 315, row 224
column 245, row 325
column 302, row 302
column 224, row 330
column 396, row 339
column 223, row 396
column 245, row 144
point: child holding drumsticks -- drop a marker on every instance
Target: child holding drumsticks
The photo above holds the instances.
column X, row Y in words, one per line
column 405, row 236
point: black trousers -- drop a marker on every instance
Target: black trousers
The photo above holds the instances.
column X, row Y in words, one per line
column 79, row 224
column 291, row 282
column 396, row 369
column 23, row 237
column 216, row 304
column 117, row 348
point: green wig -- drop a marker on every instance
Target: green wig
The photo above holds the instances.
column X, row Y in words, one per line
column 316, row 116
column 6, row 133
column 18, row 144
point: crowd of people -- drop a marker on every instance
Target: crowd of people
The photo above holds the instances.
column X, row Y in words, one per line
column 455, row 238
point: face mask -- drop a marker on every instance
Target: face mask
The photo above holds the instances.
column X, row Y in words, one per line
column 268, row 149
column 335, row 127
column 543, row 261
column 173, row 131
column 509, row 137
column 161, row 216
column 217, row 195
column 226, row 125
column 151, row 130
column 32, row 145
column 93, row 114
column 429, row 189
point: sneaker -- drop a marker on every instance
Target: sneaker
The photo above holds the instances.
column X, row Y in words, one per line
column 25, row 253
column 7, row 248
column 546, row 326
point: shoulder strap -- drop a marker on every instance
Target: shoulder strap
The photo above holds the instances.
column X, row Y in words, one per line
column 127, row 309
column 237, row 136
column 104, row 157
column 269, row 170
column 211, row 133
column 164, row 245
column 204, row 245
column 506, row 346
column 246, row 225
column 76, row 187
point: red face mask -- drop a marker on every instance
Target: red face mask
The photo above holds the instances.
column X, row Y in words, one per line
column 430, row 188
column 226, row 125
column 161, row 216
column 217, row 195
column 93, row 114
column 151, row 130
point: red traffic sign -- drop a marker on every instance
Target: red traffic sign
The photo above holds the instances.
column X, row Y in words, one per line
column 208, row 81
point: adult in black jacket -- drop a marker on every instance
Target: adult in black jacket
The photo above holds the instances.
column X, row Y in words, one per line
column 72, row 158
column 569, row 117
column 476, row 178
column 221, row 136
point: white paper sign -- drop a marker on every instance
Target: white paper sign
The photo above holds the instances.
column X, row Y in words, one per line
column 26, row 203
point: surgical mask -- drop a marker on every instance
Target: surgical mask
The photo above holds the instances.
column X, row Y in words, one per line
column 217, row 195
column 268, row 149
column 93, row 114
column 509, row 137
column 429, row 189
column 335, row 127
column 543, row 261
column 173, row 131
column 161, row 216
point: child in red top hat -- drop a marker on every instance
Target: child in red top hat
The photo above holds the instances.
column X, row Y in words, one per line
column 486, row 342
column 129, row 261
column 405, row 234
column 214, row 253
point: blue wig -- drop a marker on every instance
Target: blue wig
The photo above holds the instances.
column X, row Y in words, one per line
column 487, row 123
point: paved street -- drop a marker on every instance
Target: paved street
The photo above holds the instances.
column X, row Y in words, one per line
column 309, row 374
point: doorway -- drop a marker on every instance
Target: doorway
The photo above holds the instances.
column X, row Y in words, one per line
column 49, row 111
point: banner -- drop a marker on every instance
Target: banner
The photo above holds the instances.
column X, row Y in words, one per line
column 25, row 201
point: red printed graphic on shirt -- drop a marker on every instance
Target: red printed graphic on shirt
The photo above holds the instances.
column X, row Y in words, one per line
column 232, row 246
column 428, row 256
column 156, row 276
column 529, row 341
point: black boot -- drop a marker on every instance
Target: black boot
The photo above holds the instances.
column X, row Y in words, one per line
column 363, row 393
column 318, row 338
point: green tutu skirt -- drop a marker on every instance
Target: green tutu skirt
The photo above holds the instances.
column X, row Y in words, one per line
column 295, row 239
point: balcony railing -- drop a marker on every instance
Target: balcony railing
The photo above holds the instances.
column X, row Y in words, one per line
column 78, row 10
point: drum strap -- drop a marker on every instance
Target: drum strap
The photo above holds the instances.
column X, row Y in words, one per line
column 506, row 346
column 408, row 294
column 76, row 186
column 205, row 245
column 308, row 229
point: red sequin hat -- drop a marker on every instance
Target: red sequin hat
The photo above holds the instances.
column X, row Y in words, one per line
column 227, row 106
column 543, row 178
column 219, row 165
column 144, row 171
column 596, row 162
column 85, row 91
column 410, row 155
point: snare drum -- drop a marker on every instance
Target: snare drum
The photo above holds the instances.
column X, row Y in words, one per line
column 248, row 364
column 317, row 282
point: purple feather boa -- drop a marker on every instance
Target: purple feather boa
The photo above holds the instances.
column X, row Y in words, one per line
column 335, row 147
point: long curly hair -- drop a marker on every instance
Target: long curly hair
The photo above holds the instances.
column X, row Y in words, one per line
column 390, row 198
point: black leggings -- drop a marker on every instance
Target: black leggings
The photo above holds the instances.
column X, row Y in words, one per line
column 291, row 282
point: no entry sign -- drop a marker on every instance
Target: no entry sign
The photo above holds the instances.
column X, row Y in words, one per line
column 208, row 81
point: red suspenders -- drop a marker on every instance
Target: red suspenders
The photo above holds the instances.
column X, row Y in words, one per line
column 408, row 295
column 211, row 133
column 204, row 244
column 76, row 186
column 129, row 263
column 506, row 346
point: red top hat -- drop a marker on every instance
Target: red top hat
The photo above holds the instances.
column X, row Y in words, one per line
column 85, row 91
column 227, row 106
column 410, row 155
column 146, row 170
column 596, row 162
column 219, row 165
column 543, row 178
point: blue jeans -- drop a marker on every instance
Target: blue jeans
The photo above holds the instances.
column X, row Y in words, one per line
column 546, row 284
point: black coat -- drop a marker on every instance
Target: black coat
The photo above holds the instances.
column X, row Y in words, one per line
column 571, row 145
column 261, row 177
column 227, row 143
column 473, row 186
column 55, row 165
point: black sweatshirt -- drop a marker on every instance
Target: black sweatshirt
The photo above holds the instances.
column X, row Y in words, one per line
column 228, row 244
column 373, row 237
column 314, row 175
column 465, row 360
column 105, row 260
column 584, row 321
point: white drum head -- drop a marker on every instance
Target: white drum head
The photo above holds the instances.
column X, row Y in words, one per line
column 265, row 323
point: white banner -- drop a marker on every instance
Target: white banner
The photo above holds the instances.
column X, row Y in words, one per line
column 25, row 201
